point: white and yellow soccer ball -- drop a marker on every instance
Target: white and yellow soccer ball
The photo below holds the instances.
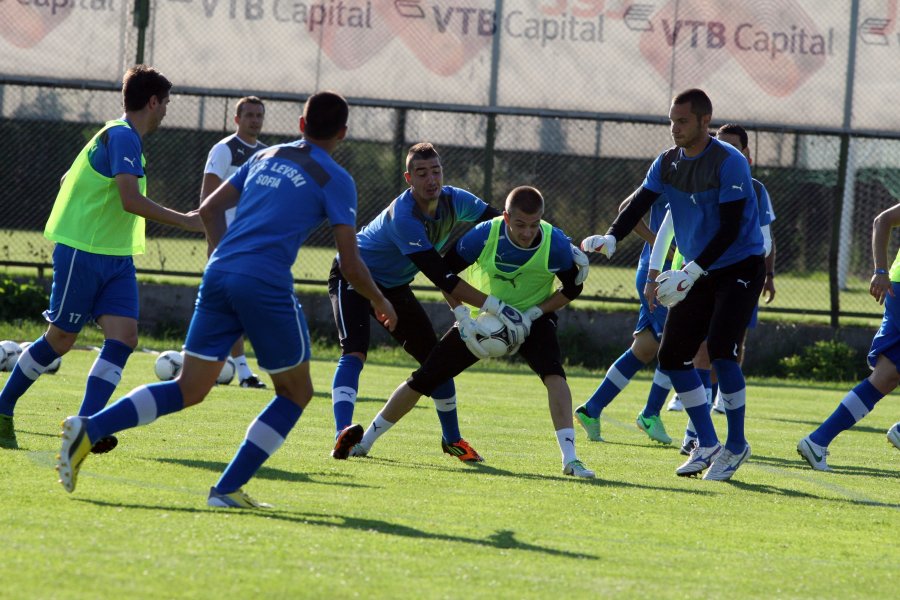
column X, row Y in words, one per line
column 10, row 352
column 497, row 342
column 168, row 365
column 226, row 375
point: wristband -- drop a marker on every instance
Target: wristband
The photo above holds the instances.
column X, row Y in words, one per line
column 770, row 274
column 881, row 272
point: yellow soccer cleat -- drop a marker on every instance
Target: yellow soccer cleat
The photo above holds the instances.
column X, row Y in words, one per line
column 236, row 499
column 76, row 445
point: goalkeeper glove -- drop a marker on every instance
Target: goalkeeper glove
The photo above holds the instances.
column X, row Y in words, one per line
column 675, row 285
column 468, row 330
column 511, row 317
column 604, row 244
column 581, row 261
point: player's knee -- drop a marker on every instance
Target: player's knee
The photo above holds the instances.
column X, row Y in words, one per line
column 644, row 348
column 61, row 341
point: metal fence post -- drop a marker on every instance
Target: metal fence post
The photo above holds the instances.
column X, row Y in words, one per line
column 141, row 20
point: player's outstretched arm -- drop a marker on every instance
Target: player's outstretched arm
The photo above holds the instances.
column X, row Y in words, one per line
column 136, row 203
column 357, row 274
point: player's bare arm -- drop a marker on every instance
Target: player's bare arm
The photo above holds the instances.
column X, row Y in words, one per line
column 357, row 274
column 136, row 203
column 211, row 183
column 212, row 211
column 442, row 272
column 880, row 286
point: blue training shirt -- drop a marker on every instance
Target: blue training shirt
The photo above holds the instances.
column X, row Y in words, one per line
column 510, row 256
column 695, row 186
column 764, row 204
column 402, row 229
column 118, row 151
column 286, row 191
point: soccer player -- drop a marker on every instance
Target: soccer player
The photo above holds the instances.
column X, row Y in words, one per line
column 643, row 350
column 884, row 355
column 97, row 223
column 514, row 258
column 225, row 158
column 403, row 240
column 282, row 193
column 716, row 223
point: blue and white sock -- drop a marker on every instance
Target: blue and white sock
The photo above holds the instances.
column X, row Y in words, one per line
column 617, row 377
column 265, row 435
column 693, row 397
column 706, row 380
column 856, row 404
column 34, row 361
column 659, row 391
column 444, row 397
column 344, row 388
column 734, row 395
column 141, row 406
column 105, row 375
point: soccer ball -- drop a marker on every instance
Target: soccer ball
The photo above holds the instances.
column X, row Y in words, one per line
column 168, row 365
column 9, row 355
column 497, row 343
column 54, row 366
column 229, row 368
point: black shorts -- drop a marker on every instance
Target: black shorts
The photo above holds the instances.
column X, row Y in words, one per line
column 353, row 315
column 451, row 356
column 718, row 309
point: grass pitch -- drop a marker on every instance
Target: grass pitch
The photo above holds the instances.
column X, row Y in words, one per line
column 411, row 522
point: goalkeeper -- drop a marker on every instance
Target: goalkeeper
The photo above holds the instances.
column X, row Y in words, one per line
column 716, row 223
column 514, row 258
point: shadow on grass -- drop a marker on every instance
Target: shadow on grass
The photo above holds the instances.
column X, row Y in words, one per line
column 423, row 403
column 263, row 473
column 815, row 424
column 503, row 539
column 483, row 469
column 801, row 465
column 764, row 488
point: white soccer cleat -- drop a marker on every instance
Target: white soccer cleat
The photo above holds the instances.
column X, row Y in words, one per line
column 893, row 435
column 358, row 450
column 700, row 459
column 814, row 454
column 687, row 444
column 236, row 499
column 576, row 468
column 726, row 464
column 675, row 403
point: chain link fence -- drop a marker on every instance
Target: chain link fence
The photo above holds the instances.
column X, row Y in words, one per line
column 828, row 174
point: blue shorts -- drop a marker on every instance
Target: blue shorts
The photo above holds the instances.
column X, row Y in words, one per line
column 229, row 304
column 87, row 286
column 654, row 321
column 887, row 340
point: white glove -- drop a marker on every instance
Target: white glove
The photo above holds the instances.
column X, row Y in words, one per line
column 511, row 317
column 604, row 244
column 581, row 261
column 531, row 315
column 468, row 330
column 675, row 285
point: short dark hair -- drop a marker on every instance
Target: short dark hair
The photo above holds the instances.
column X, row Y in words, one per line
column 701, row 105
column 140, row 83
column 734, row 129
column 526, row 199
column 247, row 100
column 421, row 151
column 325, row 114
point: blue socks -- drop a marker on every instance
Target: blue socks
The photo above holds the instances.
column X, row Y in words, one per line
column 734, row 396
column 344, row 388
column 141, row 406
column 659, row 391
column 34, row 361
column 265, row 435
column 856, row 404
column 693, row 397
column 105, row 375
column 444, row 397
column 617, row 377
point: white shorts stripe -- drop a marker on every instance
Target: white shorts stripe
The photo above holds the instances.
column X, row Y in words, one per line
column 62, row 302
column 343, row 332
column 145, row 405
column 264, row 436
column 856, row 407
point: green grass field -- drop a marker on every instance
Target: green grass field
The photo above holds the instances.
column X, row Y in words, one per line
column 799, row 291
column 410, row 522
